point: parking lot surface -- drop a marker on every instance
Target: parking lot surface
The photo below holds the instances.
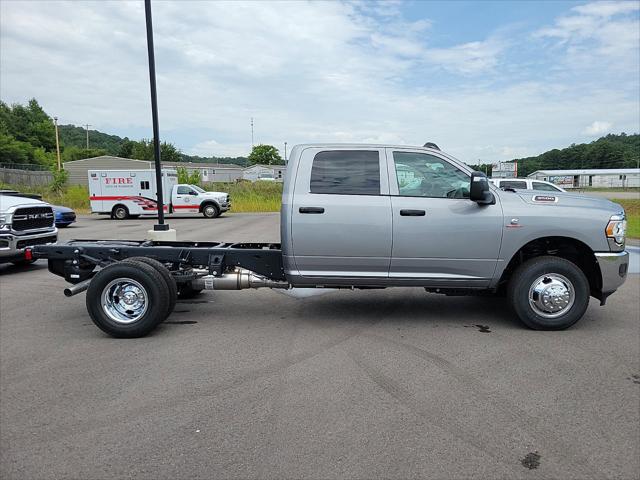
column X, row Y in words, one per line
column 391, row 383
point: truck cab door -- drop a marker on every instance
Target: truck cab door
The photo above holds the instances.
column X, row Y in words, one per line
column 440, row 237
column 184, row 200
column 341, row 215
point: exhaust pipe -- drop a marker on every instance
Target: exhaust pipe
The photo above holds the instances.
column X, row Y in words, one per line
column 237, row 280
column 77, row 288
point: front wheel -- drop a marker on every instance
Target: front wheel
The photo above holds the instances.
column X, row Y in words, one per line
column 120, row 212
column 549, row 293
column 210, row 211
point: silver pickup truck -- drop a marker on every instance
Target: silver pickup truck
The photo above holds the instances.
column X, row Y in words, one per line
column 374, row 216
column 24, row 222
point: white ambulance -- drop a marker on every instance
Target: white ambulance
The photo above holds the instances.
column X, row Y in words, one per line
column 131, row 193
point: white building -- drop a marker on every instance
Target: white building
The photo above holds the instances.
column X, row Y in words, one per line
column 254, row 172
column 593, row 177
column 210, row 172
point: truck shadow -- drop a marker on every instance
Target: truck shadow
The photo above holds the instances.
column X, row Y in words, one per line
column 10, row 268
column 402, row 307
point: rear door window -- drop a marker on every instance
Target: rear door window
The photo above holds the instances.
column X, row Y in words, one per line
column 346, row 172
column 522, row 185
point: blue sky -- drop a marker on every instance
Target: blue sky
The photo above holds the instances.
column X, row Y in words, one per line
column 487, row 81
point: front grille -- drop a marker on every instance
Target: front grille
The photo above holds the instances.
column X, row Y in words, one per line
column 32, row 218
column 36, row 241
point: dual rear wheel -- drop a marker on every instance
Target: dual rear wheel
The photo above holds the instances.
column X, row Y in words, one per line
column 129, row 299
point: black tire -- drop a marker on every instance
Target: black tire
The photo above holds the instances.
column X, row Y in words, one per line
column 120, row 212
column 186, row 291
column 529, row 273
column 166, row 275
column 209, row 210
column 156, row 299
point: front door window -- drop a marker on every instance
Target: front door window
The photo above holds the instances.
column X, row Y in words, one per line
column 424, row 175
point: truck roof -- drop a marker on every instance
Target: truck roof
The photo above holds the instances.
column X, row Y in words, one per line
column 363, row 145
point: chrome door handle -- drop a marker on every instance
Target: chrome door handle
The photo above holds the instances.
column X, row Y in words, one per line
column 412, row 213
column 316, row 210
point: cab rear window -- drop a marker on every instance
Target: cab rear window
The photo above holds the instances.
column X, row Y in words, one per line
column 513, row 184
column 346, row 172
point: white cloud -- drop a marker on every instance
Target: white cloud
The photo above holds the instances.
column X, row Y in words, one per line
column 468, row 58
column 310, row 72
column 598, row 33
column 597, row 128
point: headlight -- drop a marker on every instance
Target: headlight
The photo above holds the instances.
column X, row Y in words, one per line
column 617, row 228
column 5, row 220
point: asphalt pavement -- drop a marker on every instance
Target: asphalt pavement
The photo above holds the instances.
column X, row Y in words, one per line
column 391, row 383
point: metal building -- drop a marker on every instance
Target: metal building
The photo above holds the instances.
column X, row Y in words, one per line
column 592, row 177
column 209, row 172
column 254, row 172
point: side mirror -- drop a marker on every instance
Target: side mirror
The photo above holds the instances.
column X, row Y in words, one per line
column 192, row 192
column 479, row 191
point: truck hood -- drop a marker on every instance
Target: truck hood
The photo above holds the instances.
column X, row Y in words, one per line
column 8, row 202
column 215, row 194
column 568, row 199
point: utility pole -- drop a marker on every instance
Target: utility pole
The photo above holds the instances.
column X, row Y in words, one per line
column 285, row 153
column 87, row 125
column 161, row 229
column 251, row 133
column 55, row 122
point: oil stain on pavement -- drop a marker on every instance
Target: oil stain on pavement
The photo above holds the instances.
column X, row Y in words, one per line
column 531, row 460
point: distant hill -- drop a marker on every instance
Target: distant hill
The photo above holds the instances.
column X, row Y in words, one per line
column 70, row 135
column 611, row 151
column 103, row 143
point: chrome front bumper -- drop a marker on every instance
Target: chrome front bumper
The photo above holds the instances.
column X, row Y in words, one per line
column 613, row 267
column 12, row 246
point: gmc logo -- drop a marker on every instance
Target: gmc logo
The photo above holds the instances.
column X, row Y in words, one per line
column 118, row 181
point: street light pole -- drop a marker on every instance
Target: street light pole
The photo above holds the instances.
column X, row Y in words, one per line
column 160, row 226
column 55, row 122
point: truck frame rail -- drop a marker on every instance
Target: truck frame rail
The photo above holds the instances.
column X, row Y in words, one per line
column 76, row 260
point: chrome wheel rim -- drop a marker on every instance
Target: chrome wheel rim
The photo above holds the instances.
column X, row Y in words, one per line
column 120, row 213
column 124, row 300
column 209, row 211
column 551, row 295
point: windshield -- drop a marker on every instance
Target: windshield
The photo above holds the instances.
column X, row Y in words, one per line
column 197, row 189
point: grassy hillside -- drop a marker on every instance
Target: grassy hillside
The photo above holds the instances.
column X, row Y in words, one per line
column 70, row 135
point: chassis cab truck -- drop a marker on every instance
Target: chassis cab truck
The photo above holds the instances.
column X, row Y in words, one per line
column 374, row 216
column 131, row 193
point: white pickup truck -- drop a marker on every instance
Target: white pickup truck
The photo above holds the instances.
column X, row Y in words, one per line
column 130, row 193
column 24, row 222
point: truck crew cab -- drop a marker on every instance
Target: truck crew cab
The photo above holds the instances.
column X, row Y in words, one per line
column 130, row 193
column 374, row 216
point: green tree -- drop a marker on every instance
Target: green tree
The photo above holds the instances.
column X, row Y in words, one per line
column 265, row 155
column 126, row 148
column 184, row 176
column 59, row 181
column 143, row 150
column 72, row 153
